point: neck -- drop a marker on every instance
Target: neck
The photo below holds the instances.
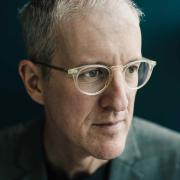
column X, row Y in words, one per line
column 61, row 155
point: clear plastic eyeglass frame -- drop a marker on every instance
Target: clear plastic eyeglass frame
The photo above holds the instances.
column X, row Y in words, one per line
column 74, row 72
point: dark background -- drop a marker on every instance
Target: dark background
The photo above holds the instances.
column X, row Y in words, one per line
column 158, row 101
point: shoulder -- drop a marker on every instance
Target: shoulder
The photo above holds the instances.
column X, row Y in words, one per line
column 11, row 141
column 20, row 150
column 159, row 148
column 154, row 135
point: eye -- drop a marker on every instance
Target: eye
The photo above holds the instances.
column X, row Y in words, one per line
column 92, row 73
column 132, row 69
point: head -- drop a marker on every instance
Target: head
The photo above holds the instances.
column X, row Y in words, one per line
column 69, row 34
column 41, row 20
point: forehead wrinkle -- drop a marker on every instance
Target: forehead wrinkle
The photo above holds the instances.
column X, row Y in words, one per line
column 103, row 29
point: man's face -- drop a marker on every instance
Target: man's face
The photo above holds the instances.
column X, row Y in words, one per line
column 93, row 125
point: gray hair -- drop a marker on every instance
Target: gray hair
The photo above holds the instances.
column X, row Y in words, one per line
column 39, row 19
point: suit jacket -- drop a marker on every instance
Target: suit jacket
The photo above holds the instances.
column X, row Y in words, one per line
column 151, row 153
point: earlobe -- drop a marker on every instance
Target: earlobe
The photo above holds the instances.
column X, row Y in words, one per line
column 31, row 77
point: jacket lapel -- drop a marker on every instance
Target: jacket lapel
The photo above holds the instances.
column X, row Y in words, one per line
column 31, row 157
column 122, row 168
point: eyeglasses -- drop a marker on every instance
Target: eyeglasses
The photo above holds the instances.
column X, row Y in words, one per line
column 94, row 79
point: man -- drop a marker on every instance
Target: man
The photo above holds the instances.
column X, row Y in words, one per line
column 84, row 67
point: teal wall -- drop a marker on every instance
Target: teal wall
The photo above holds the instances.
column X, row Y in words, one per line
column 159, row 101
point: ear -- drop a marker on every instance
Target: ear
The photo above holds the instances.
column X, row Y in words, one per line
column 32, row 79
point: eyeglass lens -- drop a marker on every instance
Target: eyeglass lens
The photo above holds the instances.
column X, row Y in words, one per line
column 94, row 79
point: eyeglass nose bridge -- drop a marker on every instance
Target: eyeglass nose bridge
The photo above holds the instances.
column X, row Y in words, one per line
column 115, row 68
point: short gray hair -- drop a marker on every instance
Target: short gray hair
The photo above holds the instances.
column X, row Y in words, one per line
column 39, row 19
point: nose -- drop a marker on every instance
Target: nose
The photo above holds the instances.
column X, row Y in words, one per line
column 115, row 97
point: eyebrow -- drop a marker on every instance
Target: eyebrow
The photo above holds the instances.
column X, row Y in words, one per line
column 90, row 63
column 102, row 63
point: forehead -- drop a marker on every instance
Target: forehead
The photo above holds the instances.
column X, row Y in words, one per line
column 105, row 34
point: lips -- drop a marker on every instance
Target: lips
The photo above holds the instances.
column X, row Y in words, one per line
column 110, row 128
column 108, row 124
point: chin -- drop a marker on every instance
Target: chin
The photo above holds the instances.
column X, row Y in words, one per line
column 107, row 151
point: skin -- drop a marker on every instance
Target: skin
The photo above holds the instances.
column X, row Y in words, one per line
column 83, row 132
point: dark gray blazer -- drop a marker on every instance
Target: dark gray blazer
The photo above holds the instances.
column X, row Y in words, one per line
column 151, row 153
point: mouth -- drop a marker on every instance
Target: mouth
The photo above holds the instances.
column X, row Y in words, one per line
column 110, row 126
column 107, row 124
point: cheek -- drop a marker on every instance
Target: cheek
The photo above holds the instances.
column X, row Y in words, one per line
column 68, row 108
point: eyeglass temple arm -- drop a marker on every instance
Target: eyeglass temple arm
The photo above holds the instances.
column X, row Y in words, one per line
column 50, row 66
